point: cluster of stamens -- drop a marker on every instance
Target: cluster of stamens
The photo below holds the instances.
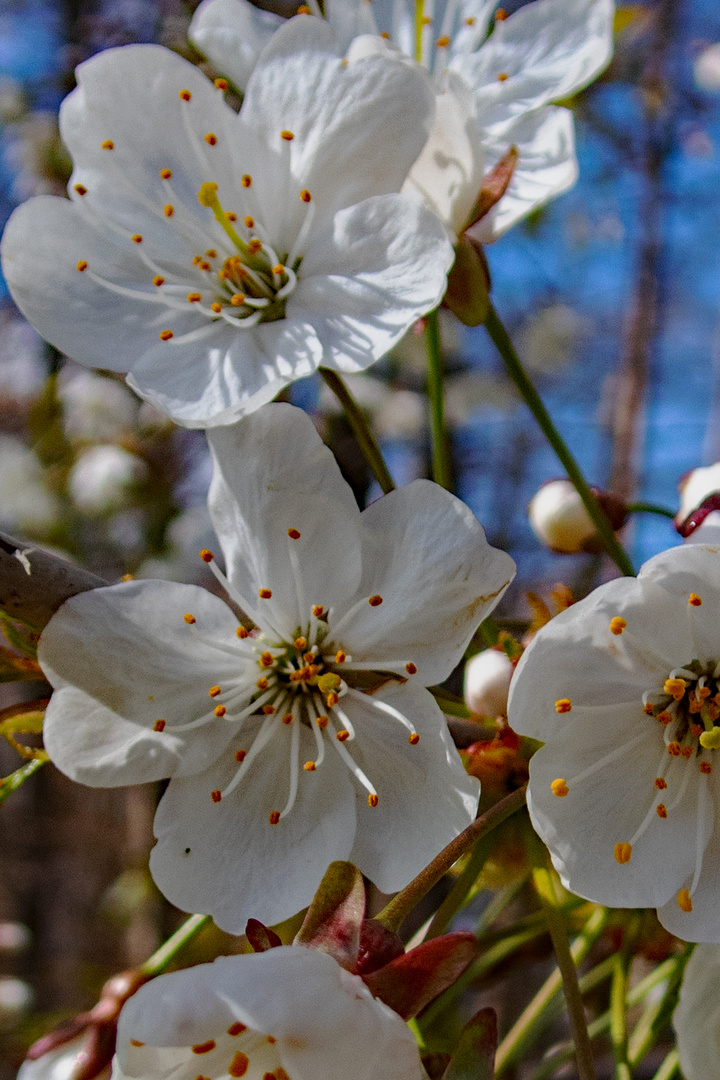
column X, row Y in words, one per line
column 245, row 1052
column 297, row 683
column 687, row 707
column 237, row 278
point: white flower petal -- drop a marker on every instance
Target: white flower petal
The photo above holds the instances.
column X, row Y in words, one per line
column 697, row 1016
column 547, row 50
column 426, row 554
column 121, row 658
column 358, row 127
column 606, row 808
column 325, row 1021
column 262, row 487
column 60, row 1063
column 546, row 167
column 703, row 922
column 227, row 860
column 232, row 34
column 425, row 796
column 378, row 267
column 448, row 174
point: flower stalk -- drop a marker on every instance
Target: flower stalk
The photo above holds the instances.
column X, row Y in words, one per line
column 361, row 429
column 532, row 399
column 440, row 451
column 162, row 957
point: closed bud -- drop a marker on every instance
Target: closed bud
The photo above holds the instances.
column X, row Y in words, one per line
column 487, row 682
column 699, row 504
column 559, row 519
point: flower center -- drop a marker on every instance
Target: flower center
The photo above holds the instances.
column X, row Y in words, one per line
column 232, row 272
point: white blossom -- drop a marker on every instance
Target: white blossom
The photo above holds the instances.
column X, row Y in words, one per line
column 60, row 1063
column 216, row 256
column 487, row 682
column 624, row 689
column 312, row 738
column 493, row 90
column 288, row 1014
column 697, row 1016
column 559, row 519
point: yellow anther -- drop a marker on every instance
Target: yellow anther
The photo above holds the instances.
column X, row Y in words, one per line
column 214, row 691
column 221, row 84
column 211, row 138
column 563, row 705
column 80, row 188
column 623, row 853
column 136, row 238
column 287, row 136
column 675, row 688
column 501, row 15
column 254, row 246
column 82, row 265
column 189, row 619
column 279, row 269
column 559, row 787
column 331, row 681
column 207, row 195
column 267, row 659
column 168, row 210
column 241, row 632
column 304, row 10
column 158, row 280
column 373, row 800
column 332, row 699
column 274, row 817
column 129, row 577
column 217, row 308
column 249, row 222
column 194, row 297
column 165, row 174
column 165, row 335
column 219, row 711
column 262, row 683
column 470, row 21
column 684, row 901
column 426, row 20
column 340, row 657
column 318, row 611
column 246, row 181
column 305, row 195
column 184, row 95
column 443, row 42
column 265, row 594
column 211, row 253
column 309, row 766
column 231, row 216
column 107, row 144
column 413, row 738
column 300, row 643
column 694, row 600
column 710, row 740
column 617, row 625
column 385, row 35
column 237, row 299
column 159, row 725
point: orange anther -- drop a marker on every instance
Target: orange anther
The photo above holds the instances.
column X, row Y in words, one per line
column 211, row 253
column 189, row 619
column 262, row 684
column 238, row 1028
column 81, row 190
column 309, row 766
column 168, row 210
column 246, row 180
column 266, row 659
column 287, row 136
column 305, row 195
column 300, row 643
column 340, row 657
column 159, row 725
column 254, row 245
column 216, row 795
column 501, row 15
column 373, row 800
column 684, row 901
column 623, row 853
column 665, row 718
column 332, row 699
column 214, row 691
column 204, row 1048
column 82, row 265
column 165, row 174
column 219, row 710
column 107, row 144
column 268, row 709
column 239, row 1064
column 322, row 722
column 674, row 749
column 194, row 298
column 617, row 625
column 661, row 810
column 470, row 21
column 184, row 95
column 158, row 280
column 411, row 669
column 342, row 735
column 265, row 594
column 414, row 738
column 559, row 787
column 279, row 269
column 274, row 817
column 287, row 719
column 675, row 688
column 660, row 784
column 694, row 600
column 237, row 299
column 165, row 335
column 221, row 84
column 211, row 138
column 241, row 632
column 240, row 755
column 705, row 767
column 230, row 214
column 502, row 77
column 206, row 555
column 294, row 535
column 136, row 238
column 687, row 752
column 375, row 601
column 318, row 611
column 136, row 1042
column 443, row 42
column 249, row 222
column 304, row 10
column 563, row 705
column 217, row 308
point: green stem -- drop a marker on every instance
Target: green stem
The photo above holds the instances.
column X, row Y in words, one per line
column 156, row 964
column 394, row 914
column 356, row 418
column 537, row 1015
column 657, row 1014
column 459, row 892
column 649, row 508
column 440, row 453
column 618, row 1022
column 599, row 1026
column 517, row 373
column 669, row 1067
column 545, row 888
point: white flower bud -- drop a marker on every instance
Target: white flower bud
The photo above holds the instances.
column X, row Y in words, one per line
column 558, row 517
column 706, row 68
column 102, row 478
column 16, row 997
column 699, row 496
column 487, row 682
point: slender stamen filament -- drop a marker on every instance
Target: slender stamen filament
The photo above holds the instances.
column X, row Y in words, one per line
column 382, row 706
column 233, row 697
column 263, row 737
column 346, row 723
column 294, row 764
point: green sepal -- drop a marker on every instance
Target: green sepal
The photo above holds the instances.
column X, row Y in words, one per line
column 15, row 780
column 474, row 1056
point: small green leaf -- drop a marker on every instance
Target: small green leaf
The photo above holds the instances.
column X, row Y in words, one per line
column 333, row 920
column 474, row 1055
column 15, row 780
